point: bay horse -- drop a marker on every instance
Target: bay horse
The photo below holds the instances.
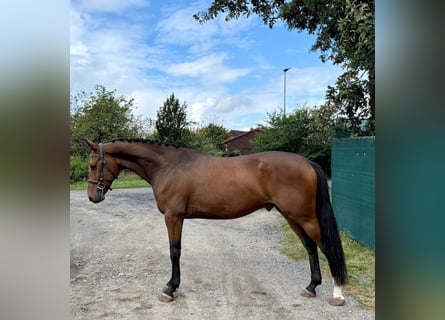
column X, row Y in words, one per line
column 188, row 184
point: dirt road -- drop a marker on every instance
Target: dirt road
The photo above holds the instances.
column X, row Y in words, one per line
column 231, row 269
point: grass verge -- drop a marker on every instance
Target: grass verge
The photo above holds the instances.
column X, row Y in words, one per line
column 125, row 181
column 360, row 263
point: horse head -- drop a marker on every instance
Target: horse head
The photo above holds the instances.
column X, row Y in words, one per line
column 102, row 172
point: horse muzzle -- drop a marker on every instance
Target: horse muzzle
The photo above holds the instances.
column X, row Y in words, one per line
column 98, row 196
column 101, row 189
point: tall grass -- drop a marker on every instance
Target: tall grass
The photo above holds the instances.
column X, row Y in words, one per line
column 360, row 264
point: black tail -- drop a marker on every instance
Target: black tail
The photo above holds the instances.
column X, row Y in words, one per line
column 330, row 238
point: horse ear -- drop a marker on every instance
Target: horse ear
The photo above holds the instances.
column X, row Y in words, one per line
column 92, row 145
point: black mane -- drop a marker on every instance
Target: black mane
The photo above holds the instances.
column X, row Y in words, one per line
column 152, row 141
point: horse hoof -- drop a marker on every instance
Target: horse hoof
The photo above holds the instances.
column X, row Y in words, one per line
column 337, row 302
column 165, row 297
column 306, row 293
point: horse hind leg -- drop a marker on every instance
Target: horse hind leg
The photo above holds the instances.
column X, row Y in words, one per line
column 312, row 230
column 311, row 248
column 337, row 298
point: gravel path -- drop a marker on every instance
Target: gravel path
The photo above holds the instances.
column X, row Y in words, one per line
column 231, row 269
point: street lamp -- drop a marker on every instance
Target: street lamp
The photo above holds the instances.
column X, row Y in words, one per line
column 285, row 71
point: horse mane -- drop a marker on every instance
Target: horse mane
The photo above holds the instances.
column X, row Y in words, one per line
column 152, row 141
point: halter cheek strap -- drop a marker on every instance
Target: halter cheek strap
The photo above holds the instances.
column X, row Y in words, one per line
column 100, row 182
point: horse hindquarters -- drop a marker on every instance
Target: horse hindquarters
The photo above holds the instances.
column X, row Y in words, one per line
column 315, row 225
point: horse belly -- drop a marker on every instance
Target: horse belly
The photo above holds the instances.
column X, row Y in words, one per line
column 224, row 205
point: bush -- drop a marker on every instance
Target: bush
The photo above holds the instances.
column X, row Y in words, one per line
column 78, row 168
column 308, row 132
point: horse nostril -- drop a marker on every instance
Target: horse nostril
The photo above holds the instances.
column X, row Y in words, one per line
column 91, row 199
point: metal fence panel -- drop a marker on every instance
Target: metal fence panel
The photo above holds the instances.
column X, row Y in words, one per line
column 353, row 187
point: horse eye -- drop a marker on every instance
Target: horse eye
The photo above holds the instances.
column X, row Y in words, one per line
column 93, row 167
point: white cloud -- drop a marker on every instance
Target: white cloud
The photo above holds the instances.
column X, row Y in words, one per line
column 199, row 109
column 179, row 28
column 230, row 104
column 108, row 5
column 148, row 60
column 79, row 52
column 111, row 55
column 248, row 107
column 210, row 68
column 308, row 85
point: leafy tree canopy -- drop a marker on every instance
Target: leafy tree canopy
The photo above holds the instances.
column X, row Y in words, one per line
column 171, row 123
column 211, row 138
column 101, row 116
column 344, row 32
column 283, row 133
column 307, row 131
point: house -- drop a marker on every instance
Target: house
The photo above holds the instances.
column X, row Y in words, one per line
column 240, row 140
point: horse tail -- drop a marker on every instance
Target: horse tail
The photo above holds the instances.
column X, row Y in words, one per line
column 330, row 238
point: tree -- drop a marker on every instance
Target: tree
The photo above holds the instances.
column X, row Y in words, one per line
column 283, row 133
column 307, row 131
column 211, row 138
column 101, row 116
column 347, row 98
column 171, row 123
column 344, row 32
column 317, row 144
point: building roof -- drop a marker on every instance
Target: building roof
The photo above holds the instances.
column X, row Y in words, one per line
column 236, row 132
column 242, row 134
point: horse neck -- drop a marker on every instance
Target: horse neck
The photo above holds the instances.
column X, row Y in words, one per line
column 144, row 159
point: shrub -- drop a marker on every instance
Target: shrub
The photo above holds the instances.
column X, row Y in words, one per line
column 78, row 168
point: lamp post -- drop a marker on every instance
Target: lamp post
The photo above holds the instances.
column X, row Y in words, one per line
column 285, row 71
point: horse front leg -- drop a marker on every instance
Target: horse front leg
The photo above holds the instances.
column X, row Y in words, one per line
column 174, row 227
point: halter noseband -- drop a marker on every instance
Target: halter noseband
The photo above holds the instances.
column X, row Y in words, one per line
column 100, row 182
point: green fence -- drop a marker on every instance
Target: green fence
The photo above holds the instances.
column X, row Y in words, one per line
column 353, row 187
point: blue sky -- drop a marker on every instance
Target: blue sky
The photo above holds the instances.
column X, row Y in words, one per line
column 230, row 73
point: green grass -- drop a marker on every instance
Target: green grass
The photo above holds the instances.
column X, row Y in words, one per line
column 125, row 180
column 360, row 264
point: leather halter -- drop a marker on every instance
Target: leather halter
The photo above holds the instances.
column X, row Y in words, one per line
column 100, row 183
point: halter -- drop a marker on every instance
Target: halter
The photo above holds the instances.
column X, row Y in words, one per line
column 100, row 182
